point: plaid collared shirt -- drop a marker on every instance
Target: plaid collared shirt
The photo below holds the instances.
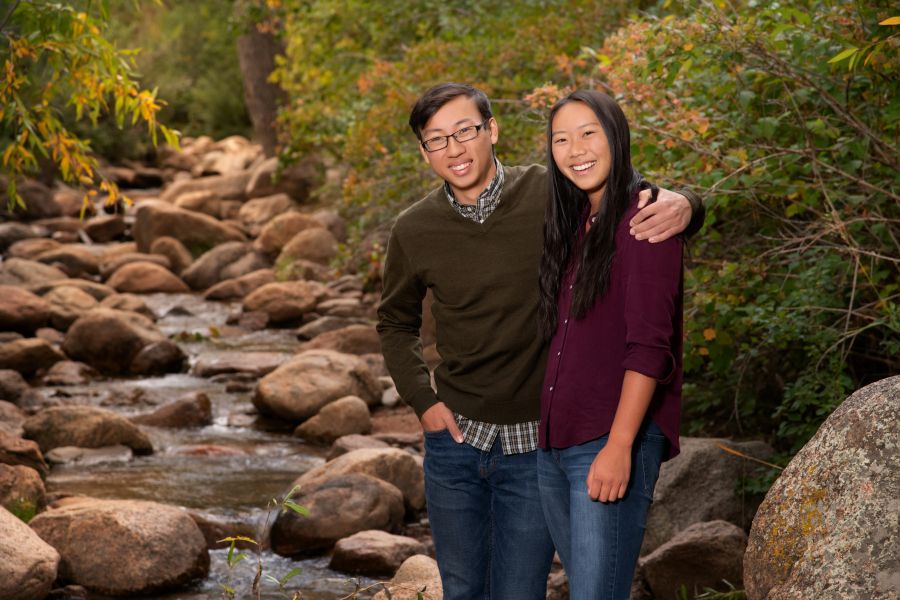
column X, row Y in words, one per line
column 486, row 202
column 517, row 437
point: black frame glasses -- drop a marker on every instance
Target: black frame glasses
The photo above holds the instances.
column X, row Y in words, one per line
column 464, row 134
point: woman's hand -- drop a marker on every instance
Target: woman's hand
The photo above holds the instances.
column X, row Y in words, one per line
column 608, row 478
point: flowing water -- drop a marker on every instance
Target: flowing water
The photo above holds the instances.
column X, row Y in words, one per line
column 226, row 472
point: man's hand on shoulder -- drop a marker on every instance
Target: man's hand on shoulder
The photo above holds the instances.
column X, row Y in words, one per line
column 668, row 216
column 437, row 418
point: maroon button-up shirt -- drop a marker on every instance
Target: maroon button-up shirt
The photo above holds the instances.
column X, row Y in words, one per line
column 635, row 326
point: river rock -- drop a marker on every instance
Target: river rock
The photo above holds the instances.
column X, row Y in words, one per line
column 153, row 547
column 418, row 573
column 259, row 211
column 22, row 311
column 373, row 552
column 146, row 278
column 10, row 233
column 301, row 270
column 316, row 244
column 12, row 385
column 333, row 222
column 111, row 264
column 345, row 307
column 22, row 272
column 38, row 199
column 109, row 340
column 250, row 262
column 296, row 180
column 29, row 355
column 254, row 364
column 105, row 228
column 192, row 411
column 239, row 287
column 198, row 232
column 353, row 441
column 28, row 565
column 206, row 270
column 285, row 302
column 179, row 257
column 338, row 507
column 85, row 427
column 324, row 325
column 11, row 418
column 279, row 231
column 97, row 290
column 829, row 527
column 68, row 372
column 699, row 557
column 17, row 451
column 158, row 358
column 227, row 187
column 203, row 201
column 703, row 465
column 30, row 249
column 395, row 466
column 21, row 491
column 130, row 303
column 73, row 455
column 67, row 304
column 353, row 339
column 344, row 416
column 73, row 259
column 299, row 389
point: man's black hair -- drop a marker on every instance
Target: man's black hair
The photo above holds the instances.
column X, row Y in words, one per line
column 431, row 101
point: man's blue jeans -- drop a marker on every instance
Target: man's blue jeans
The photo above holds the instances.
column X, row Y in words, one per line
column 599, row 542
column 488, row 527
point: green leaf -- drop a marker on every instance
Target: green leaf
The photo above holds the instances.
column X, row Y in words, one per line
column 301, row 510
column 843, row 55
column 290, row 575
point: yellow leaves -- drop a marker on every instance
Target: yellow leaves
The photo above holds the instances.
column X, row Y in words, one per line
column 688, row 47
column 890, row 21
column 709, row 334
column 703, row 351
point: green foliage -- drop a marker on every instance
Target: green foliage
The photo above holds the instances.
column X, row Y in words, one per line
column 59, row 68
column 792, row 298
column 23, row 508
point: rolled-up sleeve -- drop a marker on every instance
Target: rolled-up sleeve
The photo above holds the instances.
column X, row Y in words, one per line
column 653, row 286
column 399, row 321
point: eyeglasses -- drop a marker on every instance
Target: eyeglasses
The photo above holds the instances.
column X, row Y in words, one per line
column 439, row 142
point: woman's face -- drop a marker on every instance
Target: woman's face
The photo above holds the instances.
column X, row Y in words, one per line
column 580, row 149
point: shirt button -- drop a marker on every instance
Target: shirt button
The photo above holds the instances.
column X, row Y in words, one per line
column 566, row 322
column 551, row 388
column 571, row 286
column 559, row 353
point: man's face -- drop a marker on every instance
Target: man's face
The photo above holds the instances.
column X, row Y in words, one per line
column 467, row 166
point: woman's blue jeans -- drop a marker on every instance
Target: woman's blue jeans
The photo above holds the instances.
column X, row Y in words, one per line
column 486, row 519
column 599, row 542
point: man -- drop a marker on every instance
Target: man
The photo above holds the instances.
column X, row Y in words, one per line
column 476, row 242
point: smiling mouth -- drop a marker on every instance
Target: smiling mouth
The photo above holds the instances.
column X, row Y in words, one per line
column 583, row 167
column 461, row 167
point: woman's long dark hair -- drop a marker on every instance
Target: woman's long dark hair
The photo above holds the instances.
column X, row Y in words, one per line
column 565, row 214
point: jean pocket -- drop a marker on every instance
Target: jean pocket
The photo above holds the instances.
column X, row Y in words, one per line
column 651, row 454
column 436, row 434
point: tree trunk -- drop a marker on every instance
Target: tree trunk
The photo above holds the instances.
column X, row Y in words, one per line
column 256, row 54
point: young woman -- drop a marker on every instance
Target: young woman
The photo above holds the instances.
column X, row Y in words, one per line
column 611, row 308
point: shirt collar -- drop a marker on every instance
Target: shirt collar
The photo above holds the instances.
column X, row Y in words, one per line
column 487, row 200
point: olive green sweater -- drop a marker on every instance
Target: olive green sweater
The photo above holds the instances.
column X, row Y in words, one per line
column 484, row 279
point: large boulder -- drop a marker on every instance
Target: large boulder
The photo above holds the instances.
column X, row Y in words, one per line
column 373, row 552
column 702, row 556
column 239, row 287
column 395, row 466
column 299, row 389
column 22, row 311
column 286, row 302
column 344, row 416
column 23, row 272
column 338, row 507
column 354, row 441
column 124, row 547
column 259, row 211
column 279, row 231
column 353, row 339
column 418, row 573
column 829, row 527
column 28, row 564
column 21, row 491
column 85, row 427
column 17, row 451
column 206, row 270
column 110, row 340
column 146, row 278
column 316, row 244
column 703, row 465
column 28, row 356
column 191, row 411
column 198, row 232
column 67, row 304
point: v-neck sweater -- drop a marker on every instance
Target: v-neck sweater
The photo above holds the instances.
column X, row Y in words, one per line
column 483, row 277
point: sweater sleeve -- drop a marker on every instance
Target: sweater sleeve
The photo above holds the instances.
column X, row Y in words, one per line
column 698, row 213
column 653, row 283
column 399, row 321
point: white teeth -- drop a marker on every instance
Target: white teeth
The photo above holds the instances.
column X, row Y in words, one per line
column 460, row 167
column 583, row 167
